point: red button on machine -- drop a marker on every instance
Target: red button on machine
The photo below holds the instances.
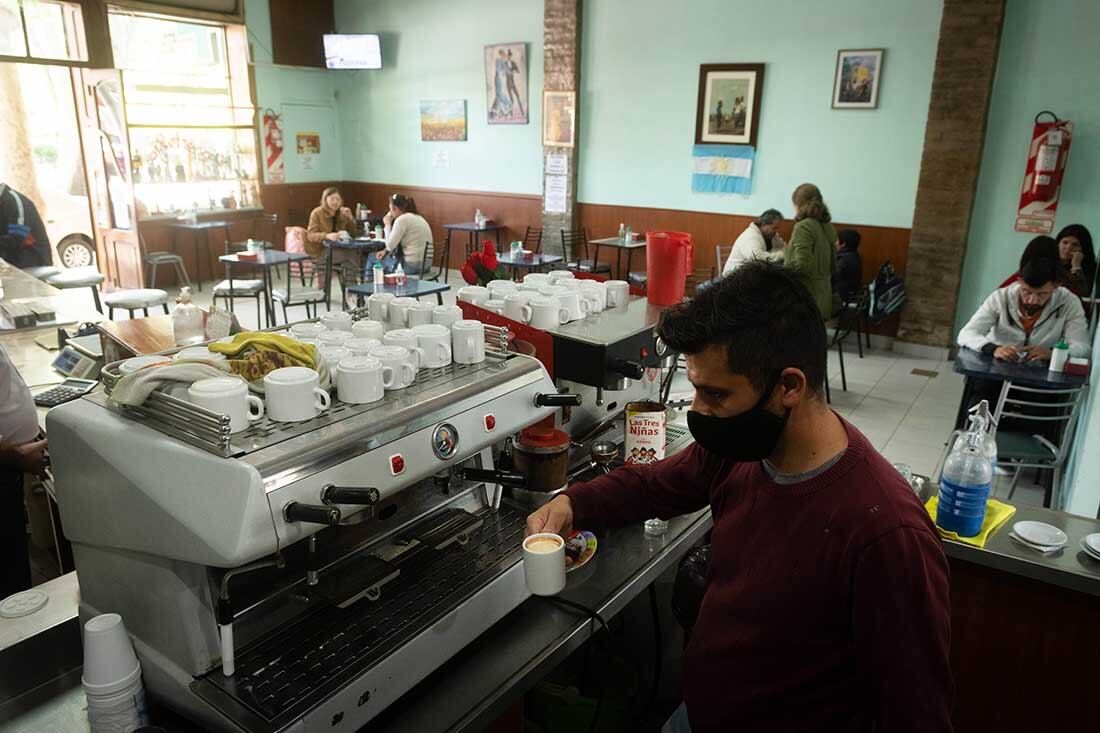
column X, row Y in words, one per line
column 490, row 423
column 397, row 465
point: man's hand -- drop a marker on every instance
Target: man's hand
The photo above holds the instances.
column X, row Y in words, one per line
column 1038, row 353
column 31, row 457
column 556, row 517
column 1007, row 353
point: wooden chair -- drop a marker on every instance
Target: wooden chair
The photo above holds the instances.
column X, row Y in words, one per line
column 532, row 240
column 571, row 241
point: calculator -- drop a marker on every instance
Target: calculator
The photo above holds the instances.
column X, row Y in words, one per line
column 67, row 391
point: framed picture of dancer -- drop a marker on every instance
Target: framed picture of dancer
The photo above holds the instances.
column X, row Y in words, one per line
column 506, row 83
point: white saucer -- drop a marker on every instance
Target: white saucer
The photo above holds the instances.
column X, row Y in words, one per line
column 1031, row 545
column 23, row 604
column 1092, row 541
column 1040, row 534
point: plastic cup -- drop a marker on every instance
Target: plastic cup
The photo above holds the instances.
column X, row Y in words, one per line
column 110, row 664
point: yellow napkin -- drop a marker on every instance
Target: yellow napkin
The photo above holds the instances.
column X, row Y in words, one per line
column 302, row 354
column 996, row 514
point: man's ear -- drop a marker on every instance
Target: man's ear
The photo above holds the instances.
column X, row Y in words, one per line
column 793, row 386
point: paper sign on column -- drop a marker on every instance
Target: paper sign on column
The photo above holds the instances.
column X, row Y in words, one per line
column 555, row 195
column 440, row 159
column 557, row 164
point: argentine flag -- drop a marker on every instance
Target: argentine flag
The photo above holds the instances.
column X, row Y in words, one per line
column 722, row 168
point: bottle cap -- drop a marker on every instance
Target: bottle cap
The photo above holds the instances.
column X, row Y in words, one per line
column 1061, row 345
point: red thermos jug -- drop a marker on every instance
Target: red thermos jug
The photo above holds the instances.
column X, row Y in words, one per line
column 670, row 257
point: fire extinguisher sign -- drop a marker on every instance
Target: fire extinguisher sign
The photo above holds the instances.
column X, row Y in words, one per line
column 1046, row 164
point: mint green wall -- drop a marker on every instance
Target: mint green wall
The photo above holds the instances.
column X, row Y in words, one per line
column 306, row 99
column 434, row 50
column 640, row 80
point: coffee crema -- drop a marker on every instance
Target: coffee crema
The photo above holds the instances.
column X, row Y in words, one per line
column 543, row 544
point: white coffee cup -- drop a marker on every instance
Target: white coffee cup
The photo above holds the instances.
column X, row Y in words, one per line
column 327, row 339
column 333, row 354
column 474, row 294
column 468, row 342
column 538, row 279
column 199, row 352
column 307, row 332
column 495, row 305
column 110, row 663
column 445, row 315
column 378, row 306
column 544, row 564
column 399, row 361
column 574, row 304
column 553, row 291
column 500, row 288
column 406, row 338
column 362, row 379
column 336, row 320
column 293, row 394
column 398, row 312
column 368, row 329
column 547, row 312
column 361, row 346
column 516, row 306
column 227, row 396
column 420, row 313
column 618, row 293
column 556, row 275
column 595, row 292
column 435, row 345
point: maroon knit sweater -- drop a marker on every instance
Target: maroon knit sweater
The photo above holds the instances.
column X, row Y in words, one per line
column 827, row 600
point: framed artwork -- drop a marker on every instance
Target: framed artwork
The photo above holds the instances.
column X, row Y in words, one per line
column 858, row 72
column 506, row 83
column 443, row 120
column 729, row 104
column 559, row 116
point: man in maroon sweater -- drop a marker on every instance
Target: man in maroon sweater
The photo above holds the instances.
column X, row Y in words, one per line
column 827, row 598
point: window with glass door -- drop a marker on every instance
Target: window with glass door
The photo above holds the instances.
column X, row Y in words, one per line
column 42, row 30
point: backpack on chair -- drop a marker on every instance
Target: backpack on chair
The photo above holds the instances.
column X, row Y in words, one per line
column 887, row 294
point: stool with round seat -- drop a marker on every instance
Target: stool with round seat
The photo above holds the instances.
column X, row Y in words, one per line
column 131, row 300
column 79, row 278
column 42, row 272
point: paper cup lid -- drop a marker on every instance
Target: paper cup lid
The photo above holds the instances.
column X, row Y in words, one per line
column 23, row 604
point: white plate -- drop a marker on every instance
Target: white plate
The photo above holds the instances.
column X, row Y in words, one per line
column 1040, row 533
column 1093, row 543
column 1094, row 554
column 1038, row 548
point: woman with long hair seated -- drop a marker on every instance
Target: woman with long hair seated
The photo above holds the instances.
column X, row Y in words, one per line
column 407, row 236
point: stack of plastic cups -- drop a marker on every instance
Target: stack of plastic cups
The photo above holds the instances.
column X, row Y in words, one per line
column 112, row 677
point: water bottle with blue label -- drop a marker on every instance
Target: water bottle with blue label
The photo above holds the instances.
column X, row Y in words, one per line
column 965, row 483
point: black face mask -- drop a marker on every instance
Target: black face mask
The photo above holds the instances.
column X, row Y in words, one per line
column 748, row 436
column 1030, row 309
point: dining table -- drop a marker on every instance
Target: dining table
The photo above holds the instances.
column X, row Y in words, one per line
column 364, row 246
column 530, row 261
column 200, row 232
column 413, row 288
column 473, row 229
column 263, row 260
column 620, row 245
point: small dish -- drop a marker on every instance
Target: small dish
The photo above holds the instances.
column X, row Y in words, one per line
column 1092, row 541
column 1045, row 549
column 579, row 549
column 1040, row 533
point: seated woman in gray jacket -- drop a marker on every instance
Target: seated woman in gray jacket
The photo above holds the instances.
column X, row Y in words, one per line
column 1023, row 321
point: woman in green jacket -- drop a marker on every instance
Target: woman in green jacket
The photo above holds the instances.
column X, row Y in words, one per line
column 811, row 252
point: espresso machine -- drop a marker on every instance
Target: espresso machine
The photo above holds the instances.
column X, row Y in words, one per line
column 299, row 576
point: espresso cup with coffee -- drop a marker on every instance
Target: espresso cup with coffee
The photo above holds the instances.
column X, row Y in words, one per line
column 544, row 563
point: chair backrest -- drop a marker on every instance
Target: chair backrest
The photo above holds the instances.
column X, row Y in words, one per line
column 532, row 239
column 570, row 240
column 1045, row 406
column 428, row 259
column 721, row 254
column 263, row 225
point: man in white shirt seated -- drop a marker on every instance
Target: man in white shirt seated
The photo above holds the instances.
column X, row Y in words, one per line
column 20, row 452
column 759, row 241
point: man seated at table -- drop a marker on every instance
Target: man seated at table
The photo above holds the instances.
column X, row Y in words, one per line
column 1024, row 321
column 759, row 241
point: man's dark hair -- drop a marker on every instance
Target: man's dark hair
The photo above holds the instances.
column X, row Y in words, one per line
column 763, row 315
column 849, row 238
column 1041, row 246
column 1038, row 271
column 770, row 216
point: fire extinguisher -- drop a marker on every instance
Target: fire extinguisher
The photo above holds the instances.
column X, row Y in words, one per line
column 1044, row 184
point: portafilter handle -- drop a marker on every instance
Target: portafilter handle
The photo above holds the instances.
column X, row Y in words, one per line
column 492, row 476
column 557, row 399
column 297, row 512
column 332, row 494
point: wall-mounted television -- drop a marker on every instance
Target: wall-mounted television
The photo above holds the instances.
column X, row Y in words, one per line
column 353, row 51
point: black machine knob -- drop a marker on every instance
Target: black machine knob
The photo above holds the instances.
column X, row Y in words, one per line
column 627, row 368
column 332, row 494
column 298, row 512
column 505, row 478
column 560, row 399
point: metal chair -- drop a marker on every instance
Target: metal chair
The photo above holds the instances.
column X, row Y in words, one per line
column 132, row 300
column 1020, row 449
column 427, row 263
column 288, row 297
column 445, row 260
column 271, row 220
column 42, row 272
column 721, row 254
column 154, row 260
column 82, row 278
column 532, row 239
column 241, row 289
column 570, row 242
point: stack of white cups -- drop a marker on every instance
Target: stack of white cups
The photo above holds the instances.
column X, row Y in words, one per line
column 112, row 677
